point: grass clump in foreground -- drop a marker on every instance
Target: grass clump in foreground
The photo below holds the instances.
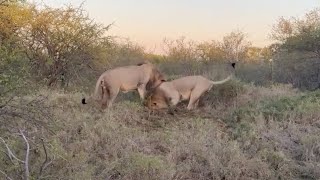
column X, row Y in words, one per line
column 248, row 133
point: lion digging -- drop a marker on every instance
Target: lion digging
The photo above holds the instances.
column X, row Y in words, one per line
column 186, row 88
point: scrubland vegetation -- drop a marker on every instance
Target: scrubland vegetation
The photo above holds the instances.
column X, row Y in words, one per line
column 264, row 124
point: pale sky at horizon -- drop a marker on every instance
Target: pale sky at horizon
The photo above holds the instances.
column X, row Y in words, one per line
column 148, row 22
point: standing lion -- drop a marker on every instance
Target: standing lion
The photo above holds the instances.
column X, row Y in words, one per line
column 141, row 77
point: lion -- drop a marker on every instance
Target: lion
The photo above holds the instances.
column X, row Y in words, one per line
column 191, row 88
column 142, row 77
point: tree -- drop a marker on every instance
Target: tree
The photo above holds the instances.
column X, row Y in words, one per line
column 59, row 40
column 253, row 54
column 211, row 51
column 180, row 49
column 282, row 30
column 302, row 34
column 235, row 45
column 307, row 41
column 14, row 15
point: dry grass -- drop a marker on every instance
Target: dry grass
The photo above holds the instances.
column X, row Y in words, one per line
column 240, row 132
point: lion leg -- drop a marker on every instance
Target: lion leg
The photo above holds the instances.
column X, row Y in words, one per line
column 196, row 104
column 194, row 98
column 142, row 91
column 104, row 105
column 113, row 94
column 104, row 95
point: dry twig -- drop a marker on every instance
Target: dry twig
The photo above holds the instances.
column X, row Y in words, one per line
column 26, row 161
column 10, row 154
column 5, row 175
column 45, row 164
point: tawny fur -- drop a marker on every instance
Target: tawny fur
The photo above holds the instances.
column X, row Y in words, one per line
column 186, row 88
column 141, row 77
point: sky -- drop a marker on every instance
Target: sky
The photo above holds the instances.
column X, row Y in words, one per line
column 148, row 22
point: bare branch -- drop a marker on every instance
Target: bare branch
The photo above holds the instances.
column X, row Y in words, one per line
column 45, row 164
column 46, row 159
column 5, row 175
column 10, row 154
column 26, row 162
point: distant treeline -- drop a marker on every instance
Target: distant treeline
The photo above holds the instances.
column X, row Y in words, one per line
column 63, row 47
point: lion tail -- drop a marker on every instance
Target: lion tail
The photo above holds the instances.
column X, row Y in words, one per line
column 101, row 92
column 226, row 79
column 97, row 94
column 222, row 81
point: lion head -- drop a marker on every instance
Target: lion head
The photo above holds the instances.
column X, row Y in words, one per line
column 157, row 99
column 155, row 80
